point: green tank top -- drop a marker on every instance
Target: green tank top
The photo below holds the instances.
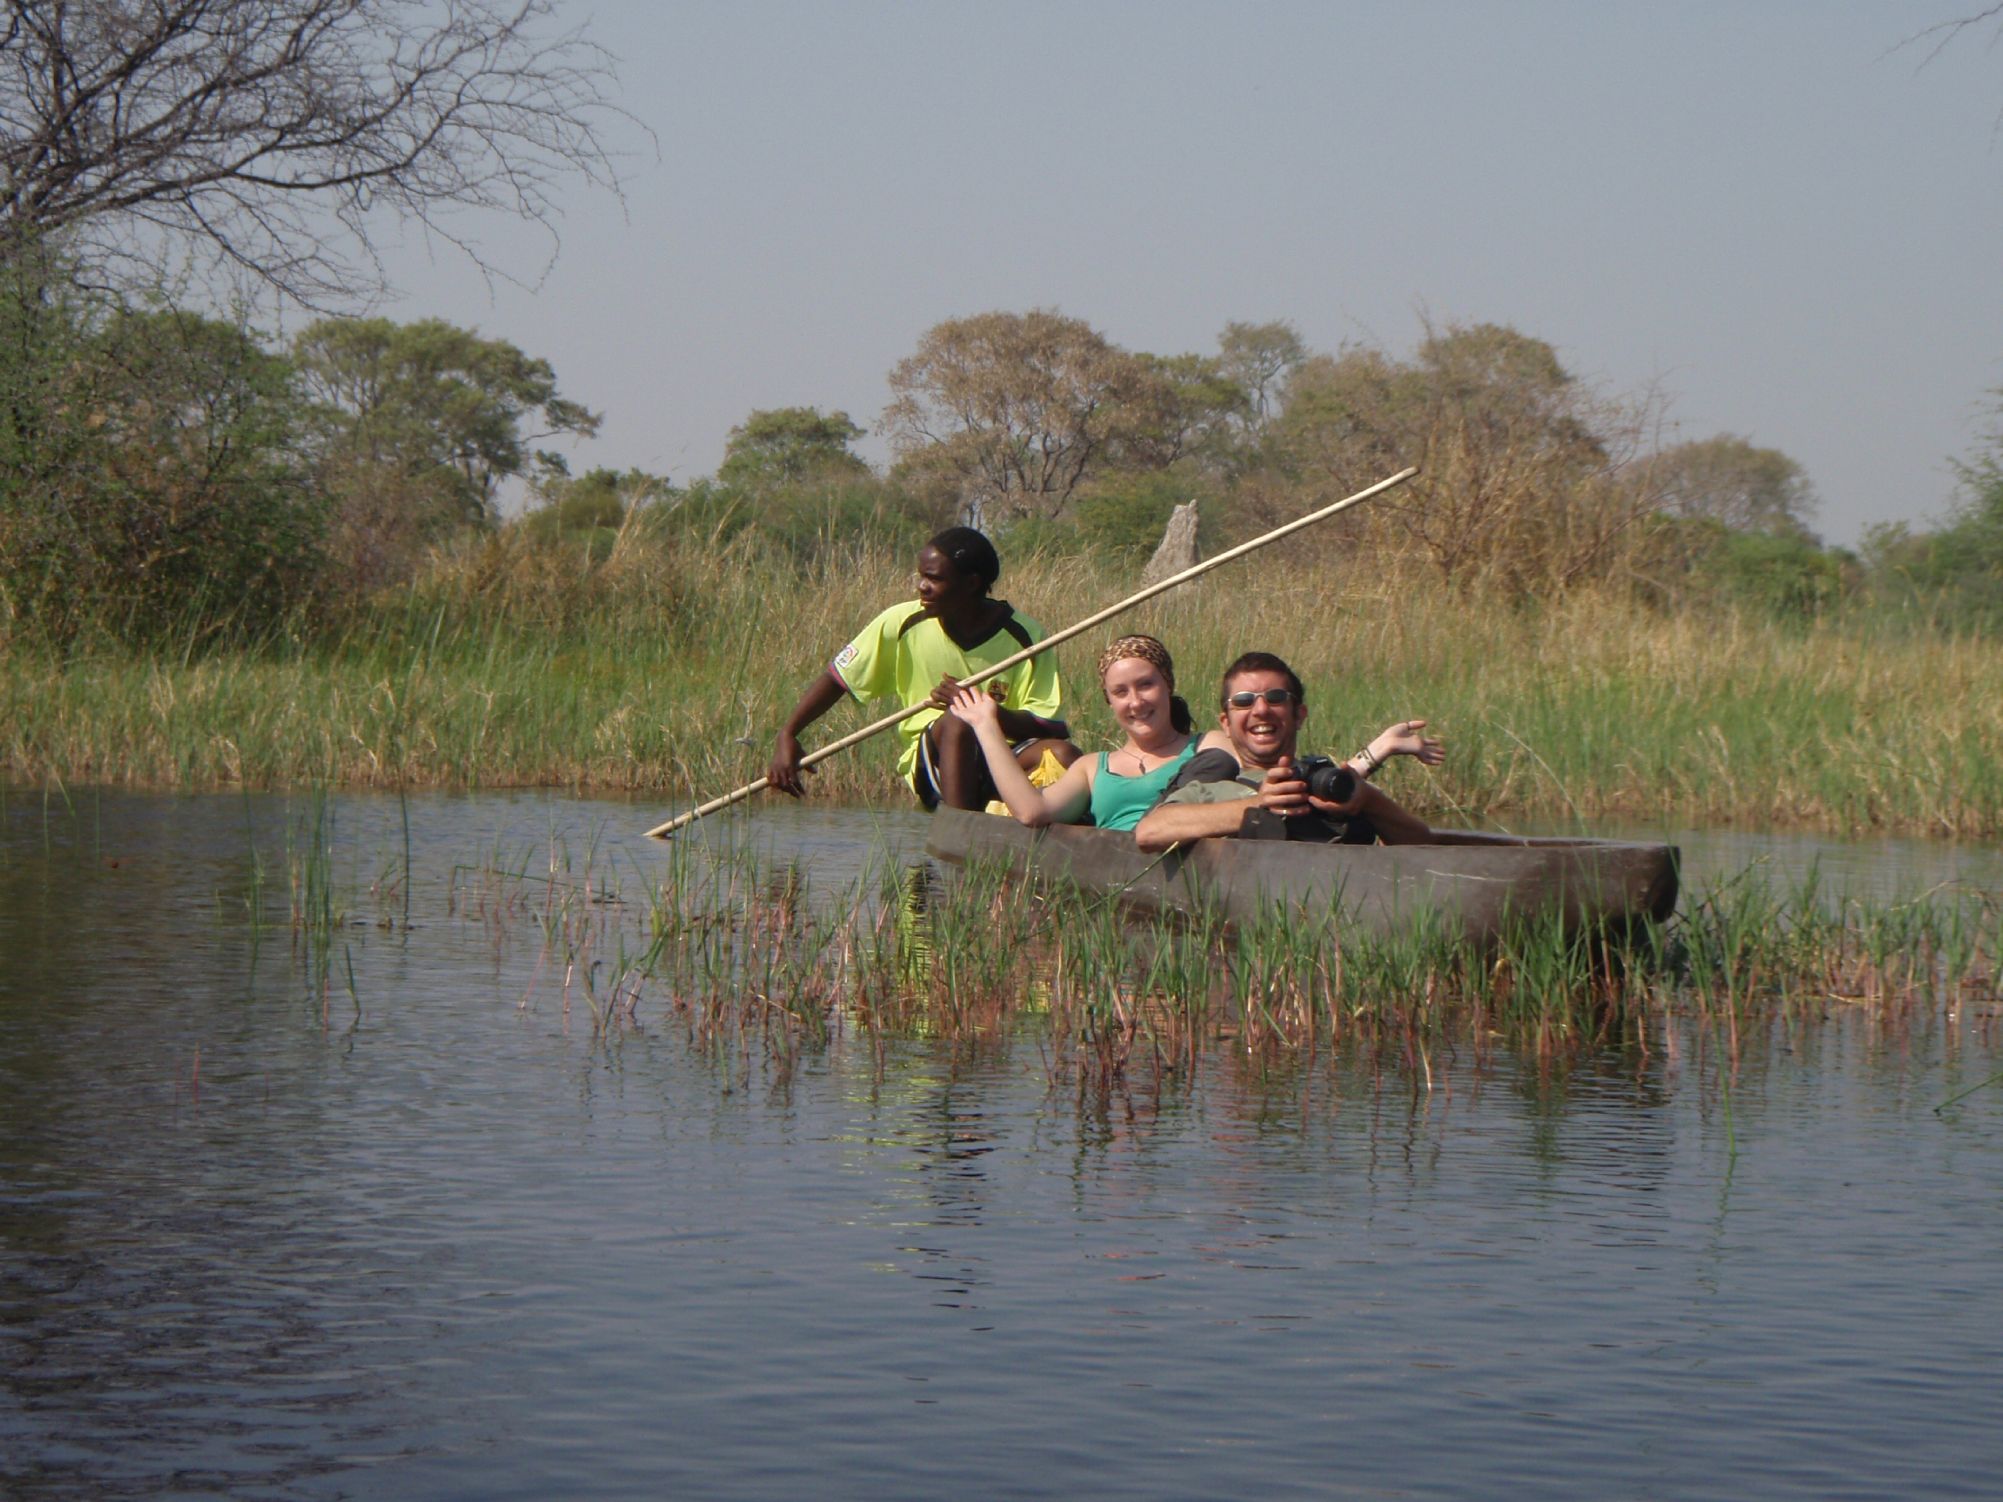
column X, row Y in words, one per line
column 1119, row 802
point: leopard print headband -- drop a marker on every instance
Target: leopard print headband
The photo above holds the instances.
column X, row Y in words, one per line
column 1144, row 647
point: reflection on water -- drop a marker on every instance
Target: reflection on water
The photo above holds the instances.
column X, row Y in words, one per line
column 435, row 1240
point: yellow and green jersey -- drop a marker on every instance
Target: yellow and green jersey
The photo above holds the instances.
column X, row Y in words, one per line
column 904, row 652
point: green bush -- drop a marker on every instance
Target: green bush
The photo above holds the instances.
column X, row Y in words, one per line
column 1120, row 519
column 152, row 484
column 1786, row 577
column 1124, row 517
column 811, row 520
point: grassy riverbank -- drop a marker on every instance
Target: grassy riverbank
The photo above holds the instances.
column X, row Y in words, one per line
column 669, row 671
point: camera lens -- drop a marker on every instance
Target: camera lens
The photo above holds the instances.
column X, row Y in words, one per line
column 1330, row 781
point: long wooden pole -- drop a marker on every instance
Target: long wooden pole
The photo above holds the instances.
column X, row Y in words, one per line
column 682, row 821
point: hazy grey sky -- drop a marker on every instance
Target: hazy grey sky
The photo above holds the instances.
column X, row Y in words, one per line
column 1770, row 211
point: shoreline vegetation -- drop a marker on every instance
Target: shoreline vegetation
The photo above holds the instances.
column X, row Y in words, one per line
column 748, row 959
column 650, row 666
column 230, row 561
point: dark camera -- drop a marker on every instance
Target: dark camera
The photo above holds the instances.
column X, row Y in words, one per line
column 1326, row 778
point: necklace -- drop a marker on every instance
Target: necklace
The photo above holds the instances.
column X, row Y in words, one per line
column 1141, row 759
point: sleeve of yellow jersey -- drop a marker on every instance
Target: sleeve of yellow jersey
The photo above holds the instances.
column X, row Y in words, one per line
column 867, row 666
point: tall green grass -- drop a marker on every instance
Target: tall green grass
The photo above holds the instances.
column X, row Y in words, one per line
column 667, row 670
column 753, row 963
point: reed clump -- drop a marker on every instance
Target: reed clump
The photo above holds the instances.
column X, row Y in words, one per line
column 664, row 668
column 754, row 964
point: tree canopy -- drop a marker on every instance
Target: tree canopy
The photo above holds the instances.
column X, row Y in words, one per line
column 1013, row 412
column 1257, row 358
column 1956, row 569
column 1516, row 457
column 152, row 471
column 432, row 400
column 785, row 445
column 161, row 468
column 1013, row 407
column 1729, row 480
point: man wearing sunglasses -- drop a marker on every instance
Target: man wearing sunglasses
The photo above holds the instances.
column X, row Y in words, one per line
column 1243, row 780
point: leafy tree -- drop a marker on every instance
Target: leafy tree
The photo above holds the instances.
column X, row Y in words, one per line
column 1182, row 408
column 266, row 135
column 1730, row 481
column 1972, row 543
column 419, row 424
column 1955, row 572
column 1014, row 410
column 1257, row 358
column 1509, row 387
column 1518, row 461
column 788, row 445
column 46, row 321
column 150, row 475
column 202, row 426
column 598, row 501
column 432, row 397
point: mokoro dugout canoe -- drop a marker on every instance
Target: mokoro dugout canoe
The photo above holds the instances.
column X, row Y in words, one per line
column 1477, row 883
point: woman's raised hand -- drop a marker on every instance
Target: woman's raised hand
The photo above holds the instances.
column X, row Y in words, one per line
column 977, row 707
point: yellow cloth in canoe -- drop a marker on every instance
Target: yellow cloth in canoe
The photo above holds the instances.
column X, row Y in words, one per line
column 1041, row 775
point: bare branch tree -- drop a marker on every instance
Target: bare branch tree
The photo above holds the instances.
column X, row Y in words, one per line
column 1936, row 39
column 271, row 136
column 1943, row 32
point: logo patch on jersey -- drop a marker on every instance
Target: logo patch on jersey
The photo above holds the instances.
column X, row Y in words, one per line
column 844, row 657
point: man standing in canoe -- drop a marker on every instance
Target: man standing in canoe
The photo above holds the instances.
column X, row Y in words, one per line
column 918, row 652
column 1244, row 780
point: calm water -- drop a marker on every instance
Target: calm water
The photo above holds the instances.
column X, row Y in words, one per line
column 441, row 1242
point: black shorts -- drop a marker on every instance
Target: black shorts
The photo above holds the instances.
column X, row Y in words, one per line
column 925, row 776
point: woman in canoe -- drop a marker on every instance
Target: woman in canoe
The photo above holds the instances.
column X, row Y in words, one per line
column 1115, row 788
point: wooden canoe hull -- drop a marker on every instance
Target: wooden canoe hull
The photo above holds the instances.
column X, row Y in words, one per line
column 1474, row 883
